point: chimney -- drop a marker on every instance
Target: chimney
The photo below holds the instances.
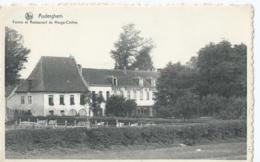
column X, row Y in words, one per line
column 125, row 70
column 79, row 69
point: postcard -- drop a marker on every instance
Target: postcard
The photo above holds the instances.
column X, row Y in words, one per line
column 126, row 82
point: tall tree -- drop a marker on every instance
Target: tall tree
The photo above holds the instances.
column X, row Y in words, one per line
column 129, row 46
column 222, row 69
column 143, row 61
column 96, row 101
column 175, row 81
column 15, row 55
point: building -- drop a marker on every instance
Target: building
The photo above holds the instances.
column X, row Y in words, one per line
column 57, row 86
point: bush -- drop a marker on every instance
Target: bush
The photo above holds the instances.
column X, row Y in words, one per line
column 212, row 105
column 106, row 137
column 187, row 106
column 236, row 108
column 119, row 106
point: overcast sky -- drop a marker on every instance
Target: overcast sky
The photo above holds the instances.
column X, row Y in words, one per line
column 178, row 32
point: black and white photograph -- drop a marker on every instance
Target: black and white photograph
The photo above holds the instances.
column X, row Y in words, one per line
column 104, row 82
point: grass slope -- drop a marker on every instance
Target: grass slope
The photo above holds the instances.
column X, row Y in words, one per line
column 231, row 151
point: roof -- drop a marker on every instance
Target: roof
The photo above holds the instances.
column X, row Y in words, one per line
column 54, row 74
column 128, row 78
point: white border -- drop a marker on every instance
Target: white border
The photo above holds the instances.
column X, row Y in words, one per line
column 256, row 41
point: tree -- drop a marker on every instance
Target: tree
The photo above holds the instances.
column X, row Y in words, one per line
column 222, row 70
column 143, row 60
column 187, row 106
column 97, row 100
column 129, row 107
column 15, row 55
column 175, row 81
column 212, row 104
column 119, row 106
column 235, row 109
column 129, row 46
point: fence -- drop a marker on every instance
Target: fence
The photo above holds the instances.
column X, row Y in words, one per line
column 56, row 123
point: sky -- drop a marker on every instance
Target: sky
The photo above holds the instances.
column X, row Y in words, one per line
column 178, row 31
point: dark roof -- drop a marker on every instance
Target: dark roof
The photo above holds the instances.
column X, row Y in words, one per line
column 54, row 74
column 103, row 76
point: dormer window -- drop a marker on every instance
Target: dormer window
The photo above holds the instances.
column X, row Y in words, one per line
column 151, row 82
column 114, row 81
column 141, row 82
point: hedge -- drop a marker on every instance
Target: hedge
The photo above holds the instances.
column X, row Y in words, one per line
column 106, row 137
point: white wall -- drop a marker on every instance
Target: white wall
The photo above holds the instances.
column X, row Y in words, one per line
column 139, row 102
column 57, row 108
column 40, row 101
column 36, row 107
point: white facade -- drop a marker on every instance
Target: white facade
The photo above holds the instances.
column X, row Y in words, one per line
column 67, row 108
column 32, row 102
column 38, row 104
column 142, row 96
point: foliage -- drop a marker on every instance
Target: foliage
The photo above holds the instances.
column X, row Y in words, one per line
column 222, row 70
column 119, row 106
column 96, row 101
column 15, row 55
column 217, row 77
column 131, row 49
column 187, row 106
column 212, row 105
column 174, row 82
column 129, row 107
column 100, row 138
column 143, row 61
column 236, row 108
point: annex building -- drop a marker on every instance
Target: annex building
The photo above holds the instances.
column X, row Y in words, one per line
column 57, row 86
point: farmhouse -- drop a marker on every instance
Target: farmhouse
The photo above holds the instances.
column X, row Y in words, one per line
column 58, row 85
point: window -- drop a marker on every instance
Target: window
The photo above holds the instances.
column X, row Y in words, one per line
column 51, row 112
column 147, row 95
column 51, row 103
column 134, row 94
column 121, row 93
column 107, row 95
column 93, row 95
column 141, row 95
column 62, row 112
column 72, row 100
column 128, row 95
column 114, row 81
column 82, row 99
column 62, row 100
column 141, row 82
column 154, row 82
column 29, row 99
column 100, row 93
column 149, row 81
column 22, row 100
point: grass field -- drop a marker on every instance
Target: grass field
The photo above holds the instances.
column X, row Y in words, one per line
column 231, row 150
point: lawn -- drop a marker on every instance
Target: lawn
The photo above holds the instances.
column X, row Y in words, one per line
column 232, row 150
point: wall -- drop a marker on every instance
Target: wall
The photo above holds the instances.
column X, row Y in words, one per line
column 14, row 102
column 57, row 108
column 117, row 91
column 142, row 104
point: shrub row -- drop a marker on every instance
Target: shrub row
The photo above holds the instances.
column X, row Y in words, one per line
column 107, row 137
